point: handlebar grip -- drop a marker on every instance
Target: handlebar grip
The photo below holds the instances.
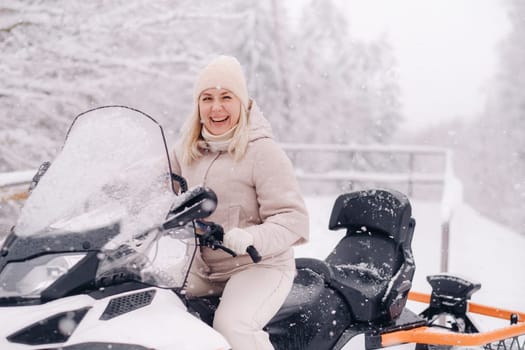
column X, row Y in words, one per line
column 254, row 254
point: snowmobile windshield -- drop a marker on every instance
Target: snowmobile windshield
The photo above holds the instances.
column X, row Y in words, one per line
column 113, row 167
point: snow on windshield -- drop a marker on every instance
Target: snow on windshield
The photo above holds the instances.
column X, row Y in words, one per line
column 113, row 167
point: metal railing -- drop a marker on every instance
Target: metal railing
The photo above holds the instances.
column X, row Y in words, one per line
column 13, row 185
column 410, row 176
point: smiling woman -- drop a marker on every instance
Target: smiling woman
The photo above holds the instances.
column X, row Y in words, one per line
column 228, row 146
column 219, row 110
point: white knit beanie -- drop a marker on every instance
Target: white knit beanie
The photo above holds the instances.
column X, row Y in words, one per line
column 223, row 72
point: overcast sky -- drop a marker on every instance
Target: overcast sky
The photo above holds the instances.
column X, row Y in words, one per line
column 446, row 51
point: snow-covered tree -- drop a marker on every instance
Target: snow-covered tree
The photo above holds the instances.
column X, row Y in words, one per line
column 501, row 154
column 342, row 90
column 489, row 150
column 60, row 58
column 58, row 61
column 263, row 58
column 346, row 86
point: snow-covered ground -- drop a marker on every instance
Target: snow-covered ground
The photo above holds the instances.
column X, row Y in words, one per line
column 480, row 250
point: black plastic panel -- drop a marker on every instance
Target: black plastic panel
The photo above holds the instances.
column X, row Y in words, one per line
column 127, row 303
column 55, row 329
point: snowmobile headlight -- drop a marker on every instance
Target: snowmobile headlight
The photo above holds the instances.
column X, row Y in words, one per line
column 27, row 279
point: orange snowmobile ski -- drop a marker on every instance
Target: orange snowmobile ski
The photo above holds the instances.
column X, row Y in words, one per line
column 450, row 297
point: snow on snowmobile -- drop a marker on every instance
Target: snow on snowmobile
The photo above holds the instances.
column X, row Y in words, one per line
column 103, row 245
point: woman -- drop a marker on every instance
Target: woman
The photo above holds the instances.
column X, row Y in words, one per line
column 227, row 145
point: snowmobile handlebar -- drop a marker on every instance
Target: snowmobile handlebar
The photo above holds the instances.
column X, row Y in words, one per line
column 253, row 253
column 211, row 235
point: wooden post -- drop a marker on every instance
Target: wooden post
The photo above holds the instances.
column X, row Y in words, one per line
column 410, row 172
column 445, row 241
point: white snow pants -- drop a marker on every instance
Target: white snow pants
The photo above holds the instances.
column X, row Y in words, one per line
column 250, row 298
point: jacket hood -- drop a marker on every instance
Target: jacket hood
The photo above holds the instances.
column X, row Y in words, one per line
column 259, row 127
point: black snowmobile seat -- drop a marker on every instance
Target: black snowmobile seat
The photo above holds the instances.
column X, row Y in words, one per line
column 307, row 289
column 373, row 264
column 313, row 316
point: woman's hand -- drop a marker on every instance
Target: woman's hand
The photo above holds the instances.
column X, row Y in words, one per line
column 238, row 240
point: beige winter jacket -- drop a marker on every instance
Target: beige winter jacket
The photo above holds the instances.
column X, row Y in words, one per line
column 258, row 193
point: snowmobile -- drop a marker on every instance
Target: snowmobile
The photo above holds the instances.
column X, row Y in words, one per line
column 101, row 251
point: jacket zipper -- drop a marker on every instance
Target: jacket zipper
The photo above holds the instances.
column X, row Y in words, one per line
column 209, row 167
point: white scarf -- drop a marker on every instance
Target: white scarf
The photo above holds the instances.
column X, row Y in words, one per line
column 217, row 143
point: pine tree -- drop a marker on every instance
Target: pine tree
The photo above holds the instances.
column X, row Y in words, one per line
column 343, row 84
column 501, row 156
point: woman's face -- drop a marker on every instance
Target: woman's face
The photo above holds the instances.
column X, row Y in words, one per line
column 219, row 110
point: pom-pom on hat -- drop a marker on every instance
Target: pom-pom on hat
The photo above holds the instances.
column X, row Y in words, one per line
column 223, row 72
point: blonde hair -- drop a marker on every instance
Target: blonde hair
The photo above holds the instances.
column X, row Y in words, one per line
column 192, row 138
